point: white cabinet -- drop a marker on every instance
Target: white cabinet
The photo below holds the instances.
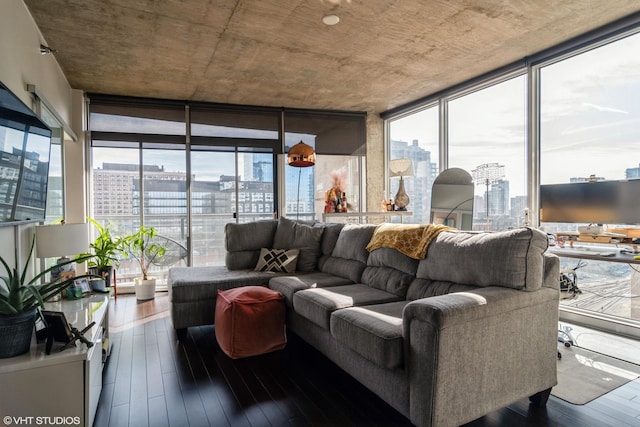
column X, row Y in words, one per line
column 64, row 385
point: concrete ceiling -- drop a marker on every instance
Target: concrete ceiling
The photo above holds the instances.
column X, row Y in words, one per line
column 382, row 53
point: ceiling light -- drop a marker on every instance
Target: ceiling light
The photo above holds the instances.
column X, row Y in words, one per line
column 330, row 19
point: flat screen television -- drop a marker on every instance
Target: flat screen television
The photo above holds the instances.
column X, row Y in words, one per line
column 25, row 144
column 600, row 202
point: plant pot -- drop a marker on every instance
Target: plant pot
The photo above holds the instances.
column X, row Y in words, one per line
column 97, row 285
column 145, row 289
column 15, row 333
column 106, row 273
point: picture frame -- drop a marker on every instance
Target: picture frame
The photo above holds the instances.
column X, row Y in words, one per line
column 83, row 284
column 56, row 321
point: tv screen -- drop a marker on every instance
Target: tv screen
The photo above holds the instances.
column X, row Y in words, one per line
column 25, row 144
column 600, row 202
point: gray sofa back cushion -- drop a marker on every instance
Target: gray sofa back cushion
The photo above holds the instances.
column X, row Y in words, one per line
column 424, row 288
column 349, row 256
column 352, row 242
column 329, row 239
column 389, row 270
column 329, row 236
column 244, row 241
column 296, row 235
column 513, row 258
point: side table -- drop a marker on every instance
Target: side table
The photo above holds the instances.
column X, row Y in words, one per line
column 39, row 389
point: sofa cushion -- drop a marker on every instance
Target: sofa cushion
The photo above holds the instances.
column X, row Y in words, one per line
column 289, row 285
column 317, row 304
column 278, row 260
column 294, row 235
column 349, row 256
column 512, row 258
column 202, row 283
column 389, row 270
column 330, row 234
column 373, row 331
column 329, row 238
column 425, row 288
column 352, row 242
column 244, row 241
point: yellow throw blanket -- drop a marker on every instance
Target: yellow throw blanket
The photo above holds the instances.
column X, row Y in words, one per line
column 410, row 239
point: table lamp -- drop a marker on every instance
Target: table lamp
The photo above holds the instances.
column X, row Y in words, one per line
column 61, row 240
column 401, row 168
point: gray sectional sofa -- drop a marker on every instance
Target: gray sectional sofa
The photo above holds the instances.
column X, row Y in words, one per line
column 444, row 340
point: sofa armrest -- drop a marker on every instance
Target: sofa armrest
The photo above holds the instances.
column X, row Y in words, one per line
column 468, row 353
column 551, row 278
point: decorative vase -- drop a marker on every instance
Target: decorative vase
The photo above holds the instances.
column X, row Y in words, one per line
column 145, row 289
column 402, row 199
column 15, row 333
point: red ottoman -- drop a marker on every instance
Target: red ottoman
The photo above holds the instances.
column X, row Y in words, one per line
column 250, row 321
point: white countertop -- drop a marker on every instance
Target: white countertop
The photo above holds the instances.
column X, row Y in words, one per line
column 79, row 314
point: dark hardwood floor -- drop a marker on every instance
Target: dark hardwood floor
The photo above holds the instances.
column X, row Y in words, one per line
column 152, row 380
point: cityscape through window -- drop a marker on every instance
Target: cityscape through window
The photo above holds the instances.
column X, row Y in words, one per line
column 586, row 127
column 145, row 172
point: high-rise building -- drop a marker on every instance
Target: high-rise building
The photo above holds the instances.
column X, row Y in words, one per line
column 117, row 192
column 499, row 198
column 632, row 173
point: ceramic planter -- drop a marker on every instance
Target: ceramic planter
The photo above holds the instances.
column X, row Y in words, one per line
column 145, row 289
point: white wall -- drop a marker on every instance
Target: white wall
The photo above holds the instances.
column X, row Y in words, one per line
column 20, row 64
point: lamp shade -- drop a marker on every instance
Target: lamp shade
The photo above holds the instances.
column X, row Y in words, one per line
column 400, row 167
column 58, row 240
column 301, row 155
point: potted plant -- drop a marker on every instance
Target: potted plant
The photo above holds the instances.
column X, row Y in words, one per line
column 141, row 248
column 106, row 250
column 20, row 298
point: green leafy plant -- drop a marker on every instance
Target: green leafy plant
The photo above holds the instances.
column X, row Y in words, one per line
column 106, row 248
column 19, row 294
column 141, row 248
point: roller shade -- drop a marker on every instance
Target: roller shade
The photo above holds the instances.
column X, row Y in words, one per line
column 339, row 133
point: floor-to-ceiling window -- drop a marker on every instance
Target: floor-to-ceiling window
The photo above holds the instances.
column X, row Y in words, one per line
column 415, row 136
column 189, row 169
column 590, row 131
column 567, row 115
column 138, row 172
column 487, row 139
column 232, row 158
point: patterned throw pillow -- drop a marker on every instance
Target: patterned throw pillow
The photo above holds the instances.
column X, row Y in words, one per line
column 278, row 260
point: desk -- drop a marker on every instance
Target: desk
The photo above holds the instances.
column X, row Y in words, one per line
column 610, row 287
column 618, row 257
column 358, row 217
column 64, row 383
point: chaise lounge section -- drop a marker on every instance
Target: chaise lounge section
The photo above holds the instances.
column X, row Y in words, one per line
column 444, row 339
